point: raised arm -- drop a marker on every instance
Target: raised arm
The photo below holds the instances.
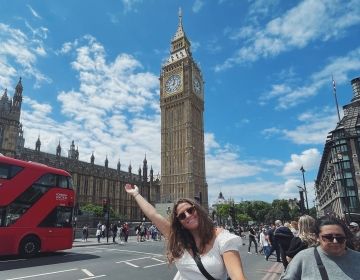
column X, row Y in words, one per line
column 160, row 222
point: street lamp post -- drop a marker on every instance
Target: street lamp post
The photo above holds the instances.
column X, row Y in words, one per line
column 307, row 204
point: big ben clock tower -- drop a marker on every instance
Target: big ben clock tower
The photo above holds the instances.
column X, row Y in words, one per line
column 182, row 124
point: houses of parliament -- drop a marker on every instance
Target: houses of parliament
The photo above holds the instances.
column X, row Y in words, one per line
column 182, row 143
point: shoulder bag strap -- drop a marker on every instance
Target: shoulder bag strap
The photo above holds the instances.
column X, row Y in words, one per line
column 199, row 264
column 320, row 265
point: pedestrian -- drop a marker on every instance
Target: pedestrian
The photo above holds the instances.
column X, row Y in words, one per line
column 274, row 245
column 114, row 232
column 98, row 234
column 103, row 229
column 306, row 237
column 354, row 228
column 330, row 260
column 252, row 239
column 126, row 231
column 192, row 240
column 85, row 233
column 137, row 232
column 264, row 242
column 283, row 236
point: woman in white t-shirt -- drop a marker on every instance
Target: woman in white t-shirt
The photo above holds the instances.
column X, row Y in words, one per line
column 190, row 226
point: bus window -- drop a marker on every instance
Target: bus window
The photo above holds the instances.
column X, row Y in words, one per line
column 4, row 171
column 59, row 217
column 63, row 182
column 8, row 171
column 48, row 180
column 14, row 212
column 21, row 204
column 70, row 183
column 2, row 216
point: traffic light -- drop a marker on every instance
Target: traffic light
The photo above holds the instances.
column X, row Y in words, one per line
column 232, row 211
column 105, row 206
column 300, row 203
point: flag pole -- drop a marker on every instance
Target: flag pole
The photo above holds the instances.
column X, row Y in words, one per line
column 336, row 101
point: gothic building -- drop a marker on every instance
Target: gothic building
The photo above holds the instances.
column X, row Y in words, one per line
column 182, row 124
column 338, row 180
column 93, row 183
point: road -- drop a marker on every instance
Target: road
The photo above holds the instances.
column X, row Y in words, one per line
column 131, row 261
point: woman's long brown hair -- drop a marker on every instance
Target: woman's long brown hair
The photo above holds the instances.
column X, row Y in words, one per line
column 180, row 238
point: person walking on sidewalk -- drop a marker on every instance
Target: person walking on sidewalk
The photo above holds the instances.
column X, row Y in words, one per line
column 332, row 259
column 114, row 230
column 274, row 245
column 85, row 233
column 252, row 238
column 193, row 240
column 98, row 234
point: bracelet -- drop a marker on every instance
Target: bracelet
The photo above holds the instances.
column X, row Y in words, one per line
column 135, row 195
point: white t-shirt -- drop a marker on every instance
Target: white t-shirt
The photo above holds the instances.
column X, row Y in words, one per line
column 212, row 260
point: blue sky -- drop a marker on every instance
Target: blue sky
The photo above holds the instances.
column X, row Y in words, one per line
column 90, row 73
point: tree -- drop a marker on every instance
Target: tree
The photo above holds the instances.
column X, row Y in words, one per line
column 95, row 210
column 98, row 210
column 281, row 209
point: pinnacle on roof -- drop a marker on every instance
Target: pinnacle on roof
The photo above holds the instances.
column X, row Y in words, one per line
column 180, row 30
column 4, row 96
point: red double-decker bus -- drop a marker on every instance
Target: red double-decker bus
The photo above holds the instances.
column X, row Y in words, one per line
column 36, row 208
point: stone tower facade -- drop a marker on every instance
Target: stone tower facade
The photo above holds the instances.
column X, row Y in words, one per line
column 11, row 133
column 182, row 124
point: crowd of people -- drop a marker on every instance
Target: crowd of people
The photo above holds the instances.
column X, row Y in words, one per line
column 119, row 232
column 324, row 248
column 311, row 248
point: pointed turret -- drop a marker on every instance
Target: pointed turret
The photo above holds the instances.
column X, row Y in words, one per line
column 58, row 150
column 92, row 158
column 145, row 170
column 4, row 97
column 38, row 144
column 180, row 45
column 129, row 169
column 118, row 166
column 17, row 99
column 4, row 102
column 106, row 162
column 151, row 174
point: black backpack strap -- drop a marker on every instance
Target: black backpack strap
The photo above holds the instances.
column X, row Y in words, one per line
column 199, row 264
column 320, row 265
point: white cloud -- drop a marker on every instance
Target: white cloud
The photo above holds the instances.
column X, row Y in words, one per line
column 289, row 95
column 198, row 4
column 313, row 129
column 19, row 52
column 33, row 12
column 309, row 159
column 129, row 5
column 309, row 21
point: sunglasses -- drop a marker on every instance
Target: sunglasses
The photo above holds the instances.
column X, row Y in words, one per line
column 330, row 238
column 190, row 211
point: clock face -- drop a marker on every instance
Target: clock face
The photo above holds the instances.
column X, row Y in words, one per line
column 197, row 86
column 173, row 83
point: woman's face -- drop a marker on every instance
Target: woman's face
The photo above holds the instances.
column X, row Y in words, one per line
column 187, row 215
column 332, row 240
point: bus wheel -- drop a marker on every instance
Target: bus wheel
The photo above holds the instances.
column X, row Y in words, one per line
column 29, row 246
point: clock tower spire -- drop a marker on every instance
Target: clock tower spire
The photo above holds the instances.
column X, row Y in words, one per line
column 182, row 123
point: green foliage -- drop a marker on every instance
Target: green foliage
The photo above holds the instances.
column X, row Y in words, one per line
column 260, row 211
column 97, row 211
